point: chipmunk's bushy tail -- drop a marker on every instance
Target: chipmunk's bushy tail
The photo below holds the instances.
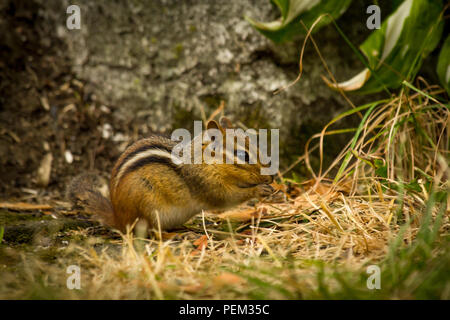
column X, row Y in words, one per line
column 83, row 192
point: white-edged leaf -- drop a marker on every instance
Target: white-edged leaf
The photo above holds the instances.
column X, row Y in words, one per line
column 292, row 11
column 396, row 50
column 443, row 66
column 354, row 83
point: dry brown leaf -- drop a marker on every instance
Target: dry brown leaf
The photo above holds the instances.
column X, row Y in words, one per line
column 247, row 232
column 278, row 187
column 168, row 235
column 313, row 201
column 295, row 191
column 321, row 191
column 44, row 103
column 227, row 278
column 24, row 206
column 201, row 242
column 192, row 288
column 70, row 212
column 44, row 170
column 239, row 215
column 345, row 186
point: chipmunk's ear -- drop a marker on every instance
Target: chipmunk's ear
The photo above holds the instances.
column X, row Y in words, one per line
column 213, row 124
column 225, row 123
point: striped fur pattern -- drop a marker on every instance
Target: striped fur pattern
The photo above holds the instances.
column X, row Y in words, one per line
column 146, row 182
column 155, row 149
column 147, row 185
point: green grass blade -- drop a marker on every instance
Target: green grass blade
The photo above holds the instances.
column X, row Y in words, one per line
column 354, row 140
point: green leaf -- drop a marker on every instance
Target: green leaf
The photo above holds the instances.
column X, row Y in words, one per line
column 413, row 186
column 381, row 171
column 296, row 178
column 378, row 163
column 395, row 51
column 354, row 140
column 443, row 66
column 292, row 11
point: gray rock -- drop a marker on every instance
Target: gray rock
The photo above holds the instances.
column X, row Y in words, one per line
column 160, row 62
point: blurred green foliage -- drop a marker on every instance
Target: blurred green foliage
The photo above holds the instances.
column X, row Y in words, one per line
column 391, row 54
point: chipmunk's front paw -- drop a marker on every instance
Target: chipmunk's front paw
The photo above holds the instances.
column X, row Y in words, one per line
column 265, row 190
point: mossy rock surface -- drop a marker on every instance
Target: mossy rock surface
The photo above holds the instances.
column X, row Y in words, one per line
column 156, row 64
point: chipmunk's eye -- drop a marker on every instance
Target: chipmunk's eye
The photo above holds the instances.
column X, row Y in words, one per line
column 243, row 156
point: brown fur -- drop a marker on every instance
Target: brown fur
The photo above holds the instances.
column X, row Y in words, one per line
column 84, row 193
column 163, row 194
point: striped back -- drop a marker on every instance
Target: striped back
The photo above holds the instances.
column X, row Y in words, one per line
column 155, row 149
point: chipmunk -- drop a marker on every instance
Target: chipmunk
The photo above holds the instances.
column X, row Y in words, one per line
column 147, row 184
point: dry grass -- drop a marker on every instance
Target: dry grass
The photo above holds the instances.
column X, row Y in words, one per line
column 276, row 254
column 215, row 263
column 386, row 205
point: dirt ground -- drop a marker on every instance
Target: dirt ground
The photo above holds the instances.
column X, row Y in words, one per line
column 48, row 122
column 45, row 110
